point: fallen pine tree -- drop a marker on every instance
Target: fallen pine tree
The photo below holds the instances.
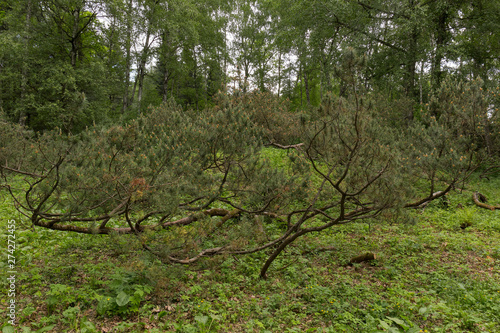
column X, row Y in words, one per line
column 206, row 185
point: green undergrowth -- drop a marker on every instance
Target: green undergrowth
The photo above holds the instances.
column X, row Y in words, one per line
column 429, row 275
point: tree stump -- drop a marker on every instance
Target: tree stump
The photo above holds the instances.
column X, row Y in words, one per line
column 368, row 256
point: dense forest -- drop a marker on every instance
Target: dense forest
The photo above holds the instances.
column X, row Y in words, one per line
column 237, row 141
column 72, row 63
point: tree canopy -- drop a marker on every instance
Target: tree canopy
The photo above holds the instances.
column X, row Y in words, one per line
column 70, row 63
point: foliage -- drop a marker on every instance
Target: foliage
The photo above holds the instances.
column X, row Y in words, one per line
column 238, row 136
column 71, row 63
column 126, row 292
column 53, row 75
column 429, row 275
column 178, row 169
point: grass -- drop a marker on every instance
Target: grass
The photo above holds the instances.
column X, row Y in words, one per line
column 429, row 276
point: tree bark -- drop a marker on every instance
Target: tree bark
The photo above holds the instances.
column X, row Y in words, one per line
column 368, row 256
column 441, row 37
column 128, row 57
column 480, row 201
column 75, row 37
column 279, row 73
column 56, row 224
column 411, row 68
column 142, row 67
column 165, row 57
column 306, row 85
column 24, row 73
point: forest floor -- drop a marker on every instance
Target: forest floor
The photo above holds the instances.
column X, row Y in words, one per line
column 430, row 275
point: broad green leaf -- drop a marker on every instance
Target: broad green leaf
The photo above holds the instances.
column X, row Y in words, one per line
column 201, row 319
column 46, row 329
column 122, row 298
column 162, row 314
column 399, row 322
column 413, row 330
column 384, row 325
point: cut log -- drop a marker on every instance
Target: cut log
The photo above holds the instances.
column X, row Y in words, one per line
column 363, row 257
column 480, row 201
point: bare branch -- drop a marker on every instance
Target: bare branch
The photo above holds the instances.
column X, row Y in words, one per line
column 297, row 146
column 34, row 175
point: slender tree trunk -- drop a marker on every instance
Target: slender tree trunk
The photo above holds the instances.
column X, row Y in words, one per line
column 142, row 67
column 205, row 92
column 75, row 36
column 420, row 88
column 245, row 79
column 225, row 56
column 277, row 252
column 166, row 77
column 411, row 66
column 164, row 58
column 195, row 76
column 128, row 57
column 299, row 77
column 132, row 95
column 24, row 72
column 441, row 38
column 306, row 86
column 325, row 81
column 279, row 73
column 290, row 85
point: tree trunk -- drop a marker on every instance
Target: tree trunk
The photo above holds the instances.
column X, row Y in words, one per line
column 165, row 57
column 279, row 73
column 142, row 67
column 24, row 73
column 128, row 57
column 368, row 256
column 306, row 85
column 411, row 66
column 300, row 86
column 277, row 252
column 441, row 37
column 246, row 66
column 164, row 87
column 420, row 82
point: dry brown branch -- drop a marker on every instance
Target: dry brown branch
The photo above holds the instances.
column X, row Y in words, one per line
column 423, row 202
column 56, row 225
column 21, row 172
column 480, row 201
column 277, row 145
column 204, row 253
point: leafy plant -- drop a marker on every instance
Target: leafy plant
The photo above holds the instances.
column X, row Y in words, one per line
column 125, row 295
